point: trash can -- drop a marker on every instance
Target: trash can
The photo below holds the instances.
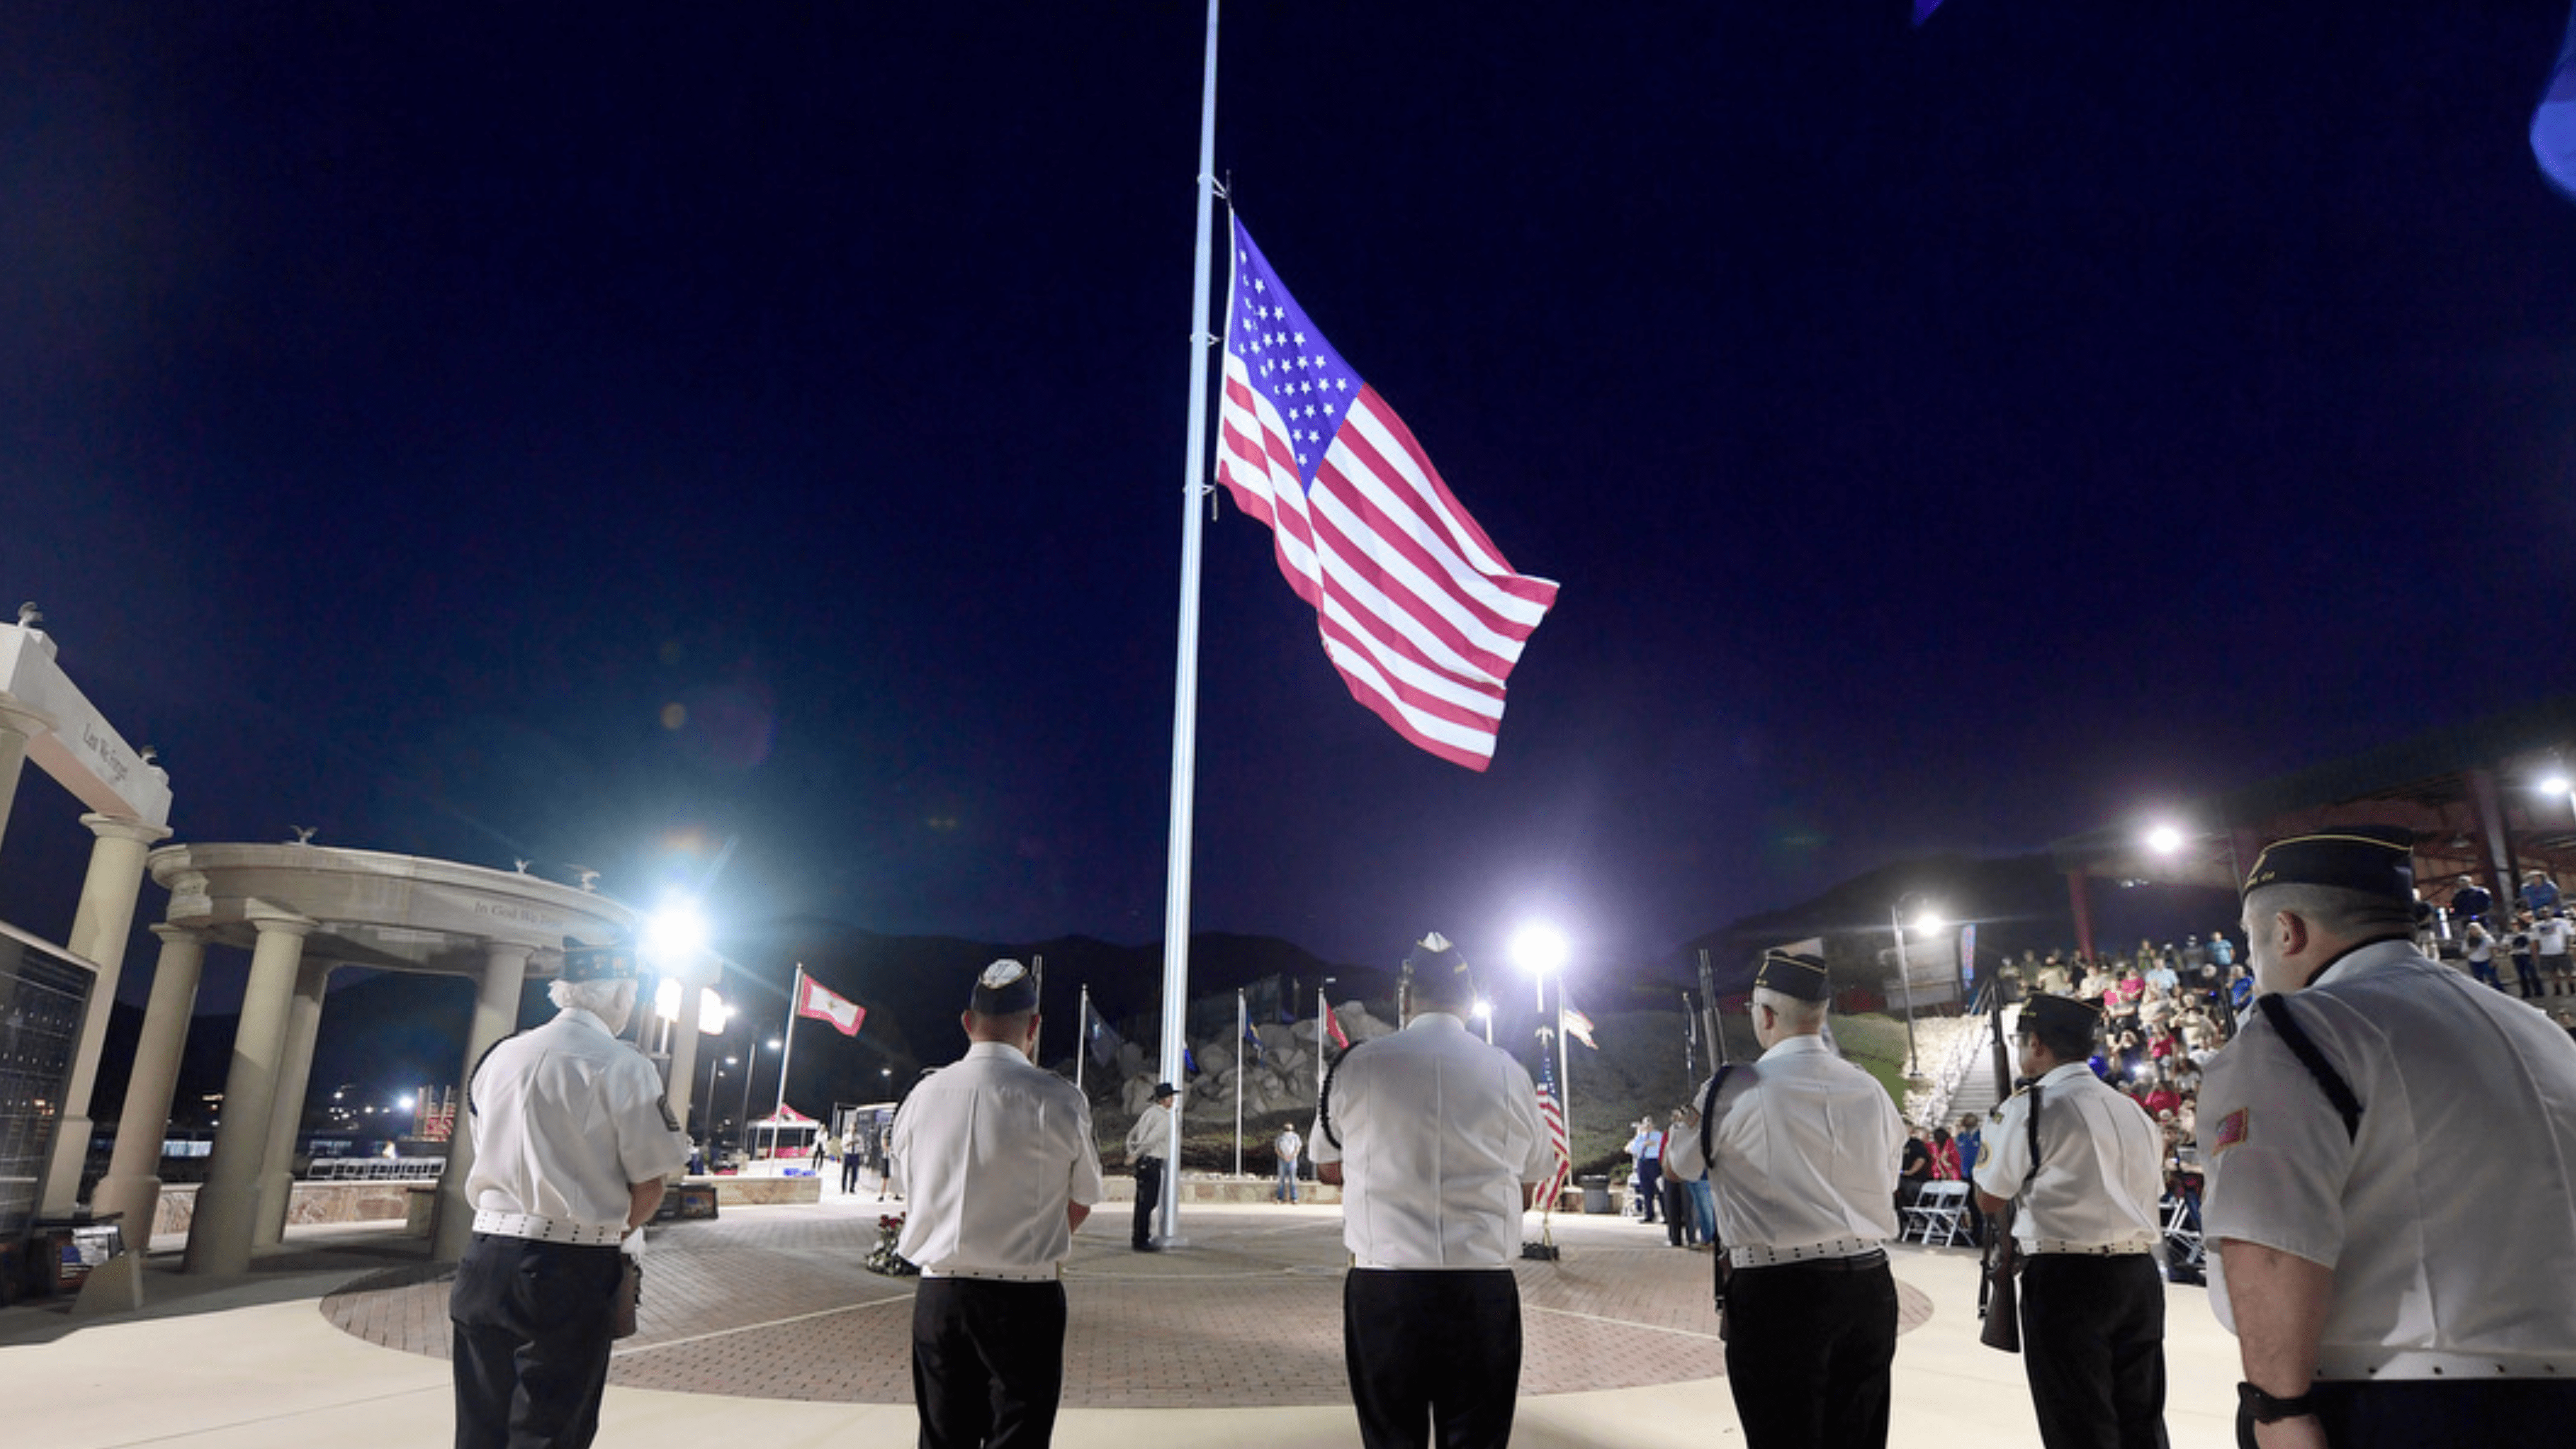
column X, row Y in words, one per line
column 66, row 1248
column 1596, row 1193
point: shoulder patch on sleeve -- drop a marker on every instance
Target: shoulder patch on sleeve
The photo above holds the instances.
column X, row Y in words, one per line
column 2232, row 1129
column 669, row 1121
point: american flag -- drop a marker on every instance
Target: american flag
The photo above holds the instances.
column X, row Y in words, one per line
column 1419, row 612
column 1551, row 1116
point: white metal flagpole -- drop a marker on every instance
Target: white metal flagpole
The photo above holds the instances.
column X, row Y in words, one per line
column 1242, row 1025
column 1083, row 1044
column 1185, row 687
column 786, row 1051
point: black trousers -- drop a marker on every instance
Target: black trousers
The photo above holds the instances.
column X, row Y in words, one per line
column 1149, row 1197
column 1434, row 1356
column 1808, row 1347
column 2093, row 1342
column 1649, row 1171
column 1679, row 1225
column 532, row 1323
column 987, row 1362
column 850, row 1164
column 2407, row 1413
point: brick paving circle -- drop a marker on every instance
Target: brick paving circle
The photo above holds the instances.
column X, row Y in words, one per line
column 773, row 1303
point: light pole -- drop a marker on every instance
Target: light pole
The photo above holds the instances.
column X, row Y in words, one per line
column 1540, row 950
column 1930, row 920
column 751, row 1069
column 710, row 1098
column 1485, row 1014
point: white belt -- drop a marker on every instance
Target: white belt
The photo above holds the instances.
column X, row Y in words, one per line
column 994, row 1275
column 546, row 1230
column 2370, row 1362
column 1748, row 1255
column 2096, row 1250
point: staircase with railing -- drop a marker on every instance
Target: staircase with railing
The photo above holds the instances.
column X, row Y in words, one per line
column 1962, row 1079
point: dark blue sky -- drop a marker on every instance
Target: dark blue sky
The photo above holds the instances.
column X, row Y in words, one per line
column 1945, row 440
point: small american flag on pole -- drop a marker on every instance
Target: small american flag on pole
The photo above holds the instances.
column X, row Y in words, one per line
column 1551, row 1116
column 1419, row 612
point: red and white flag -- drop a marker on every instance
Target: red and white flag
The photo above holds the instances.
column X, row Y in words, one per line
column 821, row 1003
column 1551, row 1116
column 1419, row 611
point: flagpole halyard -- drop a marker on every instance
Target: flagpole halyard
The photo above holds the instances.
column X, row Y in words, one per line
column 1185, row 684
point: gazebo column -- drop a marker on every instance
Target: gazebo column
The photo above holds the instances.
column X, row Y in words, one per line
column 18, row 724
column 219, row 1240
column 295, row 1075
column 133, row 1182
column 101, row 925
column 684, row 1052
column 496, row 1015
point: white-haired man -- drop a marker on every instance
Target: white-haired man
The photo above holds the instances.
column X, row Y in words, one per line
column 2389, row 1149
column 572, row 1142
column 1801, row 1150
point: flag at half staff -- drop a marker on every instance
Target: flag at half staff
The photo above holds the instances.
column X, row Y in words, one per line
column 1419, row 612
column 823, row 1004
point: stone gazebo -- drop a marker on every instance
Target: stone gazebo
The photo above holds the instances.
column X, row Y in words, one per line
column 302, row 910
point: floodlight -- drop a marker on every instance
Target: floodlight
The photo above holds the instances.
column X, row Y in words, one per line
column 2164, row 840
column 1539, row 949
column 675, row 934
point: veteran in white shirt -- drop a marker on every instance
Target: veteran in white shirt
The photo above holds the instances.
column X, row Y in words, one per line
column 1802, row 1150
column 1434, row 1138
column 2092, row 1297
column 572, row 1142
column 2396, row 1245
column 996, row 1161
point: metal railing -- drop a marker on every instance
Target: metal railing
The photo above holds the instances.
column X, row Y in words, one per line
column 376, row 1169
column 1966, row 1053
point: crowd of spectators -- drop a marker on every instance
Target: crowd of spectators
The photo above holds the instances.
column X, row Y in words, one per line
column 2529, row 936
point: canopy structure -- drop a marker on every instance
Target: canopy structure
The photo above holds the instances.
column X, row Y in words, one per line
column 786, row 1120
column 2486, row 799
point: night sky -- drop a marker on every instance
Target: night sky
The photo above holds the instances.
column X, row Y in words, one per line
column 592, row 436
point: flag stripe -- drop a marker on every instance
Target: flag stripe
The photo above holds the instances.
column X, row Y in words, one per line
column 1418, row 611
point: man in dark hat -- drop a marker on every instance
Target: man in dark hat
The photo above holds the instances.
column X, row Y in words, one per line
column 1147, row 1141
column 2086, row 1163
column 2389, row 1149
column 1801, row 1151
column 1434, row 1138
column 996, row 1160
column 572, row 1142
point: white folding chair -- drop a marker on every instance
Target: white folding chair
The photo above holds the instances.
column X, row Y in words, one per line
column 1943, row 1208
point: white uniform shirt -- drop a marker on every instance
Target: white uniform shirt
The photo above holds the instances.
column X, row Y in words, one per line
column 988, row 1152
column 1808, row 1147
column 2446, row 1219
column 1152, row 1134
column 565, row 1119
column 2099, row 1159
column 2551, row 936
column 1439, row 1131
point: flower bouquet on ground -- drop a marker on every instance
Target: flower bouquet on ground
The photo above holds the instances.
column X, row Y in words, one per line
column 883, row 1258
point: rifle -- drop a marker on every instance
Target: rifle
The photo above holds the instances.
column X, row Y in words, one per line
column 1710, row 1019
column 1998, row 1296
column 1719, row 1269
